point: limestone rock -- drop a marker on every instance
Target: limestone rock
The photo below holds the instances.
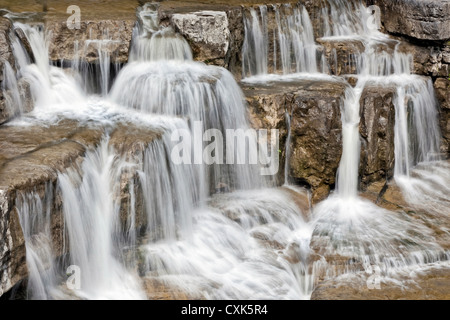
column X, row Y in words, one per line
column 110, row 36
column 377, row 132
column 429, row 285
column 30, row 158
column 6, row 53
column 442, row 89
column 341, row 55
column 420, row 19
column 316, row 128
column 207, row 31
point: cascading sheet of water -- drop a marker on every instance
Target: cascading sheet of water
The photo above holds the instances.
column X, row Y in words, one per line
column 342, row 19
column 294, row 47
column 153, row 43
column 245, row 245
column 35, row 219
column 91, row 217
column 95, row 77
column 368, row 236
column 50, row 86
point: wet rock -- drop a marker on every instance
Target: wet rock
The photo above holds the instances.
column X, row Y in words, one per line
column 112, row 37
column 6, row 53
column 316, row 129
column 377, row 132
column 30, row 158
column 420, row 19
column 341, row 56
column 442, row 89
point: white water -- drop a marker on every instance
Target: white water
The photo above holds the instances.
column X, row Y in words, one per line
column 247, row 244
column 154, row 43
column 355, row 228
column 294, row 48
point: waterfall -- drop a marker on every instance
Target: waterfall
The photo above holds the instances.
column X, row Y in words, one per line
column 153, row 43
column 288, row 148
column 344, row 19
column 163, row 79
column 134, row 220
column 95, row 77
column 350, row 226
column 417, row 133
column 11, row 91
column 50, row 86
column 294, row 47
column 35, row 219
column 347, row 175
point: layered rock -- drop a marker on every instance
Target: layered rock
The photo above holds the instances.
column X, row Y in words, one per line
column 29, row 161
column 420, row 19
column 6, row 55
column 112, row 37
column 377, row 133
column 316, row 128
column 341, row 56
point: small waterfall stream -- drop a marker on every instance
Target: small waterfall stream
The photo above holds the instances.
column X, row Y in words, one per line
column 215, row 230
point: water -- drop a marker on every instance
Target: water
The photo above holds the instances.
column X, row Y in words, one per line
column 369, row 237
column 132, row 217
column 294, row 48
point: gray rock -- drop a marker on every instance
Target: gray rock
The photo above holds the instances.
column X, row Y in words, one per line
column 420, row 19
column 207, row 31
column 377, row 132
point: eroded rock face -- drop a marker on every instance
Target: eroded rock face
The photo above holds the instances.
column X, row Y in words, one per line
column 377, row 132
column 442, row 89
column 30, row 158
column 6, row 53
column 207, row 31
column 420, row 19
column 341, row 55
column 316, row 128
column 69, row 44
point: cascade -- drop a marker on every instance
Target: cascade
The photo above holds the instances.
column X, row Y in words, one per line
column 294, row 47
column 133, row 219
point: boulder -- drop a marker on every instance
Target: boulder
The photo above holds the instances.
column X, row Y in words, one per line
column 207, row 32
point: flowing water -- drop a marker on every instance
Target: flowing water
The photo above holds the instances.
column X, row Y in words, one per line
column 220, row 231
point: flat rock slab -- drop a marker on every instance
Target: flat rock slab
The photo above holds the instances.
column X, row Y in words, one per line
column 432, row 284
